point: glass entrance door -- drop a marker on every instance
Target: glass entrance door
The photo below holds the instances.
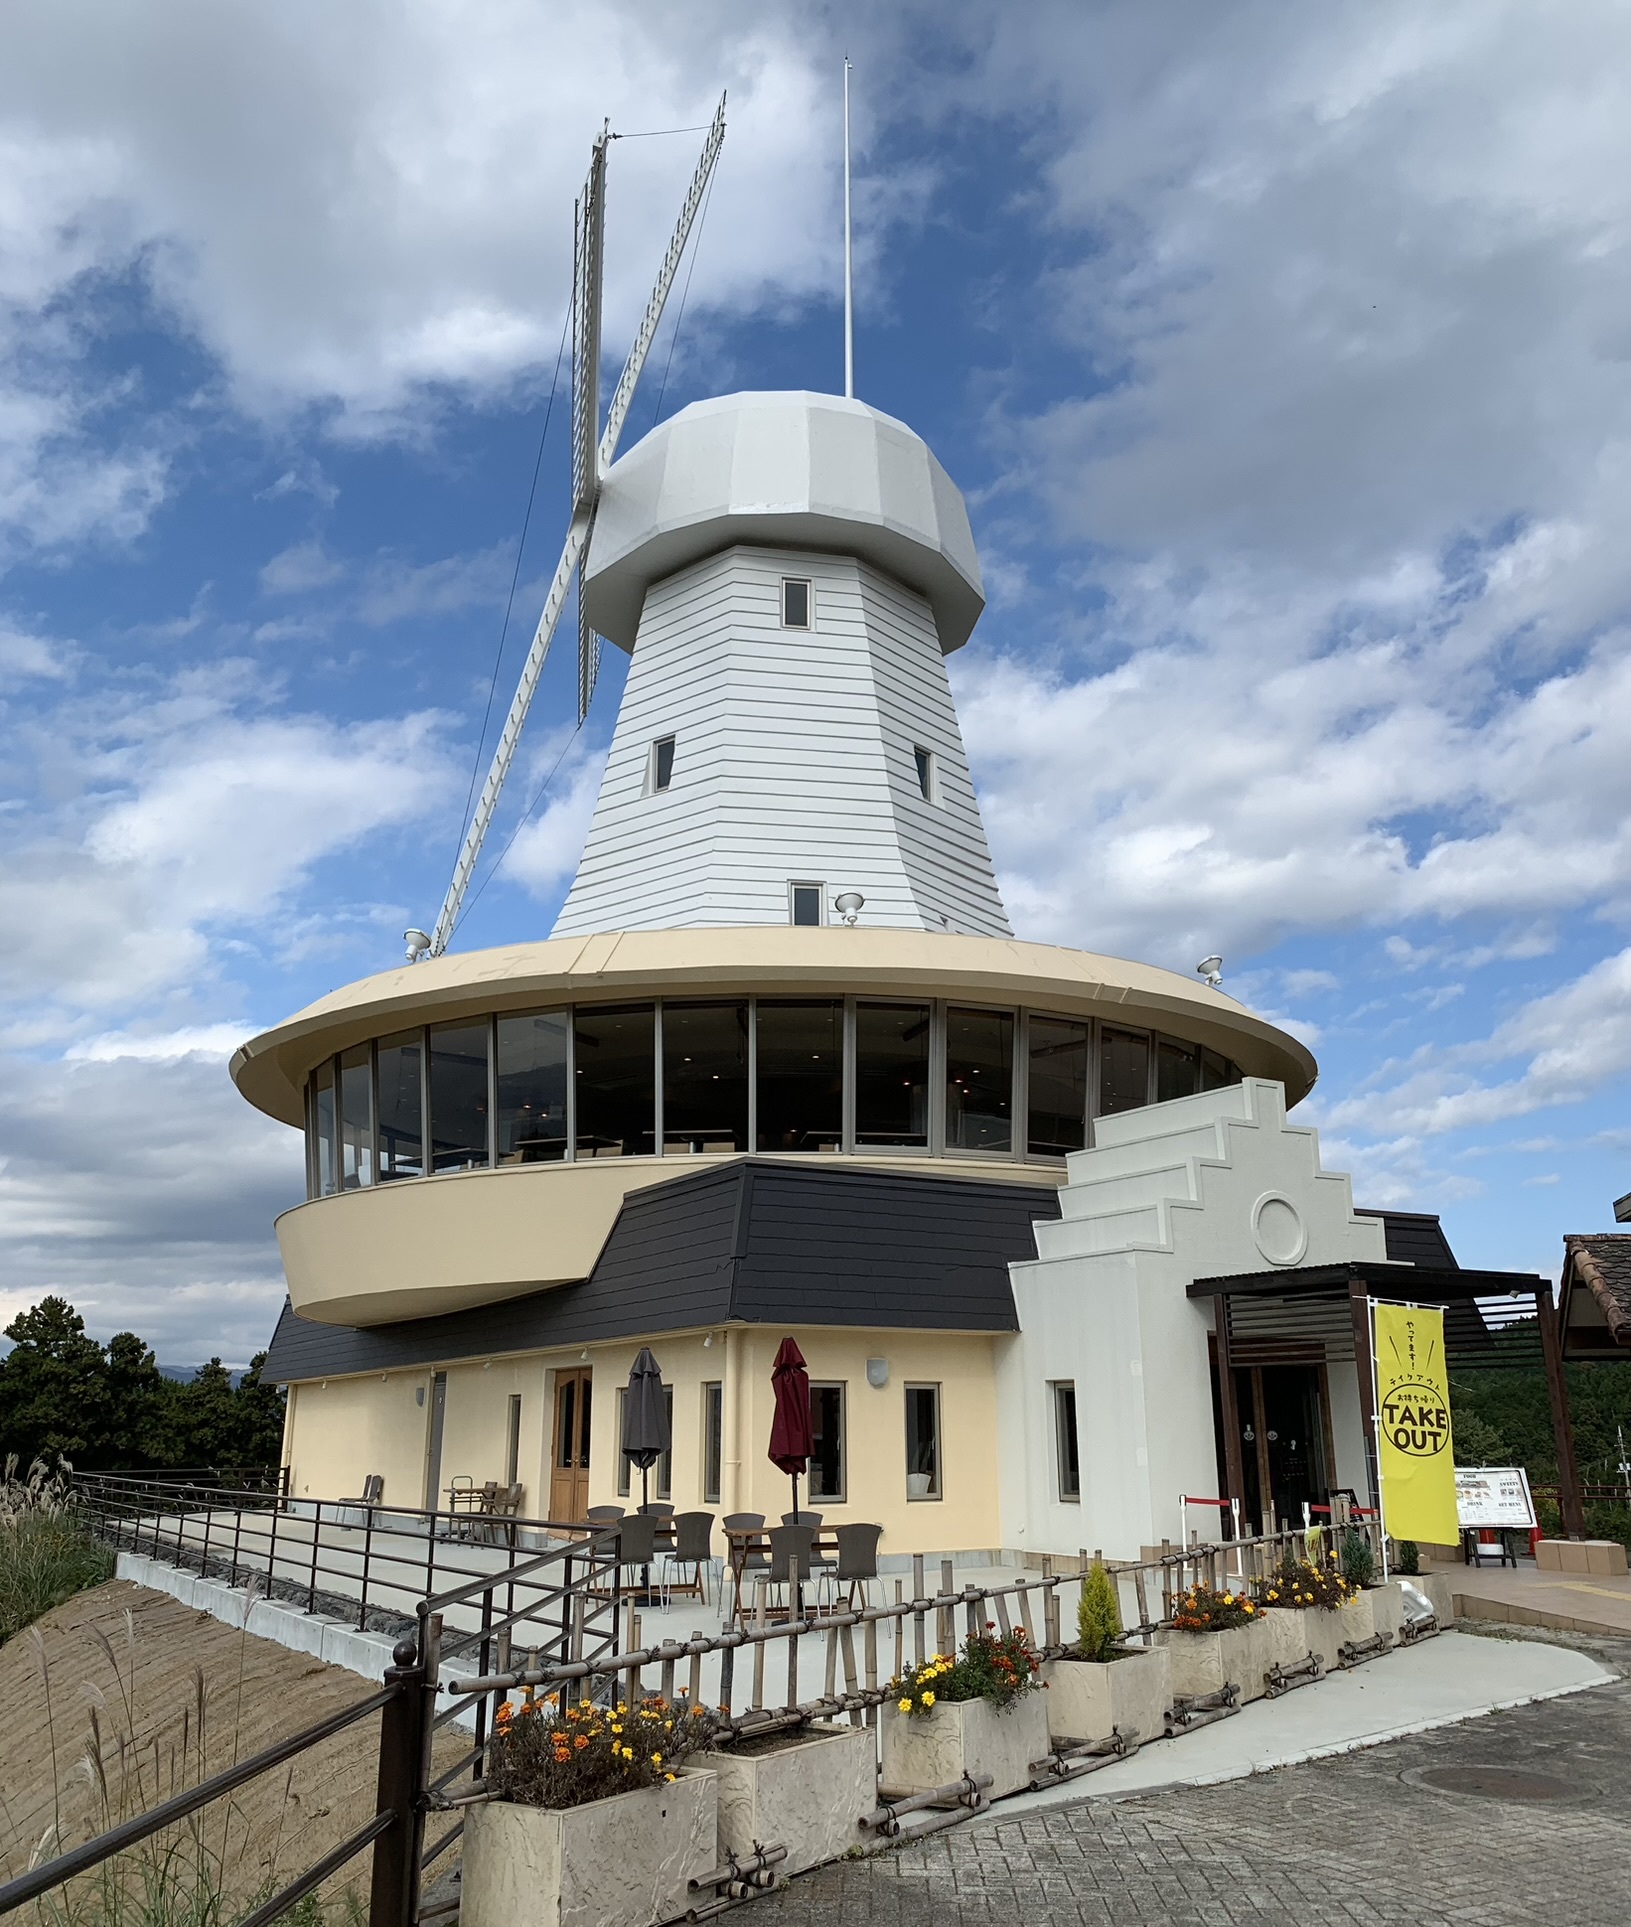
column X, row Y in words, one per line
column 569, row 1459
column 1282, row 1413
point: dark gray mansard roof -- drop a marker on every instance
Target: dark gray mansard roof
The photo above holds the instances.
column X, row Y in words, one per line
column 755, row 1242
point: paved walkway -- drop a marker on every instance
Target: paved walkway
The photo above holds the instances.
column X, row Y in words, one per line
column 1581, row 1602
column 1357, row 1840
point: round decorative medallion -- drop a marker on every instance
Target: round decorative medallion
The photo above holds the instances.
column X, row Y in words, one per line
column 1279, row 1230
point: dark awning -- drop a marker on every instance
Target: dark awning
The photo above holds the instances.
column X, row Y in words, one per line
column 1428, row 1284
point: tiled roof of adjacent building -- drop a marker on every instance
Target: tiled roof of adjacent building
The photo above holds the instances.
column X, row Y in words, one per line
column 756, row 1241
column 1601, row 1261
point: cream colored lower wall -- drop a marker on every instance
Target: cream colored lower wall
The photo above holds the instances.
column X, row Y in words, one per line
column 342, row 1429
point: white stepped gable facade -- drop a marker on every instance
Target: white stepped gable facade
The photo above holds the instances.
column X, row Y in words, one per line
column 1199, row 1187
column 788, row 572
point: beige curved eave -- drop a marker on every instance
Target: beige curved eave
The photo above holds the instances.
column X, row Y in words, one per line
column 775, row 960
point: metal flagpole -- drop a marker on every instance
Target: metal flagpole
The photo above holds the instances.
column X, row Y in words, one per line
column 849, row 273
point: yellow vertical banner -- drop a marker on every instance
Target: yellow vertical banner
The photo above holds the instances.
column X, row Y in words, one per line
column 1413, row 1424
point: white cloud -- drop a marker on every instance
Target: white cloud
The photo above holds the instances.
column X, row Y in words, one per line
column 179, row 821
column 213, row 1041
column 545, row 852
column 1574, row 1041
column 300, row 568
column 345, row 204
column 144, row 1192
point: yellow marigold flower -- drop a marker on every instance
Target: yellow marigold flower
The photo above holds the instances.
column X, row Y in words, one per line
column 906, row 1706
column 928, row 1699
column 668, row 1776
column 1248, row 1607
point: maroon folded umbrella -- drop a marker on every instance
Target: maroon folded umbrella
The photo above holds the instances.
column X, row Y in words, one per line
column 791, row 1442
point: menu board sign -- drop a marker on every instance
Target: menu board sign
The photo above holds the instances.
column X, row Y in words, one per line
column 1493, row 1496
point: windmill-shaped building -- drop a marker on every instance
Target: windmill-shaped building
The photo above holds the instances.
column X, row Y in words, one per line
column 782, row 1068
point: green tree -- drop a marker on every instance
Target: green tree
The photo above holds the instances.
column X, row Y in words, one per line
column 54, row 1388
column 260, row 1416
column 137, row 1398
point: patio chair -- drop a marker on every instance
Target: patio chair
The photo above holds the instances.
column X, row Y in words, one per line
column 694, row 1547
column 858, row 1559
column 805, row 1518
column 785, row 1543
column 373, row 1490
column 748, row 1561
column 603, row 1515
column 637, row 1547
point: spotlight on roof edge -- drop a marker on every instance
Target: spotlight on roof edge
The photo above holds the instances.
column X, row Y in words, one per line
column 1211, row 968
column 849, row 906
column 418, row 943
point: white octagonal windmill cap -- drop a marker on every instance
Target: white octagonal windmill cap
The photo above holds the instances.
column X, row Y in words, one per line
column 774, row 753
column 790, row 470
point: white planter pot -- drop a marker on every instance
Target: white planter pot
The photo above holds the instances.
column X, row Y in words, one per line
column 1204, row 1663
column 807, row 1797
column 1387, row 1609
column 970, row 1736
column 1326, row 1632
column 918, row 1484
column 622, row 1862
column 1088, row 1700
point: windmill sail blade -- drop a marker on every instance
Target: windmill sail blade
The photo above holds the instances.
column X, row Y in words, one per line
column 623, row 394
column 588, row 656
column 589, row 463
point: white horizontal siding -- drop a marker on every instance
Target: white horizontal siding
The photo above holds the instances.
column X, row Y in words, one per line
column 793, row 760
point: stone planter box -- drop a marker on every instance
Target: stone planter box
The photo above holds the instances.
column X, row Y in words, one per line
column 1087, row 1700
column 1387, row 1609
column 807, row 1796
column 1205, row 1663
column 622, row 1862
column 970, row 1736
column 1327, row 1632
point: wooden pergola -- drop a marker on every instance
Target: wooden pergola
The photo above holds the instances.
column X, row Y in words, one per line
column 1471, row 1342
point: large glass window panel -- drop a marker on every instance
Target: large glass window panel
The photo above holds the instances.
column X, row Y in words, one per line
column 827, row 1442
column 1124, row 1071
column 401, row 1123
column 458, row 1096
column 1217, row 1070
column 979, row 1080
column 615, row 1078
column 532, row 1087
column 800, row 1051
column 1068, row 1452
column 328, row 1163
column 705, row 1077
column 356, row 1120
column 1058, row 1051
column 713, row 1440
column 1177, row 1069
column 892, row 1074
column 923, row 1441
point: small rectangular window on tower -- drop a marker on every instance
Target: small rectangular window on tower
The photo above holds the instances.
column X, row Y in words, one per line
column 662, row 763
column 925, row 772
column 795, row 603
column 805, row 902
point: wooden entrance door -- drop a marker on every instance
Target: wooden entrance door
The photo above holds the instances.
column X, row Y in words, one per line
column 569, row 1472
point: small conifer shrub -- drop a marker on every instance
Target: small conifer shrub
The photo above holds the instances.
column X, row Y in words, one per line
column 1098, row 1616
column 1358, row 1561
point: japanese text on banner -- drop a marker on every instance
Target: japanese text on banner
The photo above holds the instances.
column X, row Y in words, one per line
column 1413, row 1424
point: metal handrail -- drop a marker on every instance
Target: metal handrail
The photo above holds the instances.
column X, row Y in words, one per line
column 131, row 1833
column 261, row 1537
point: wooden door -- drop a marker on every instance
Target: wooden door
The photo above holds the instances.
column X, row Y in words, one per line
column 569, row 1465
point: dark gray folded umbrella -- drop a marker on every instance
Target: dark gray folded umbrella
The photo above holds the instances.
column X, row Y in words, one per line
column 647, row 1434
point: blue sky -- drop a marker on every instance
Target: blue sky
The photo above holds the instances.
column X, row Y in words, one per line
column 1284, row 355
